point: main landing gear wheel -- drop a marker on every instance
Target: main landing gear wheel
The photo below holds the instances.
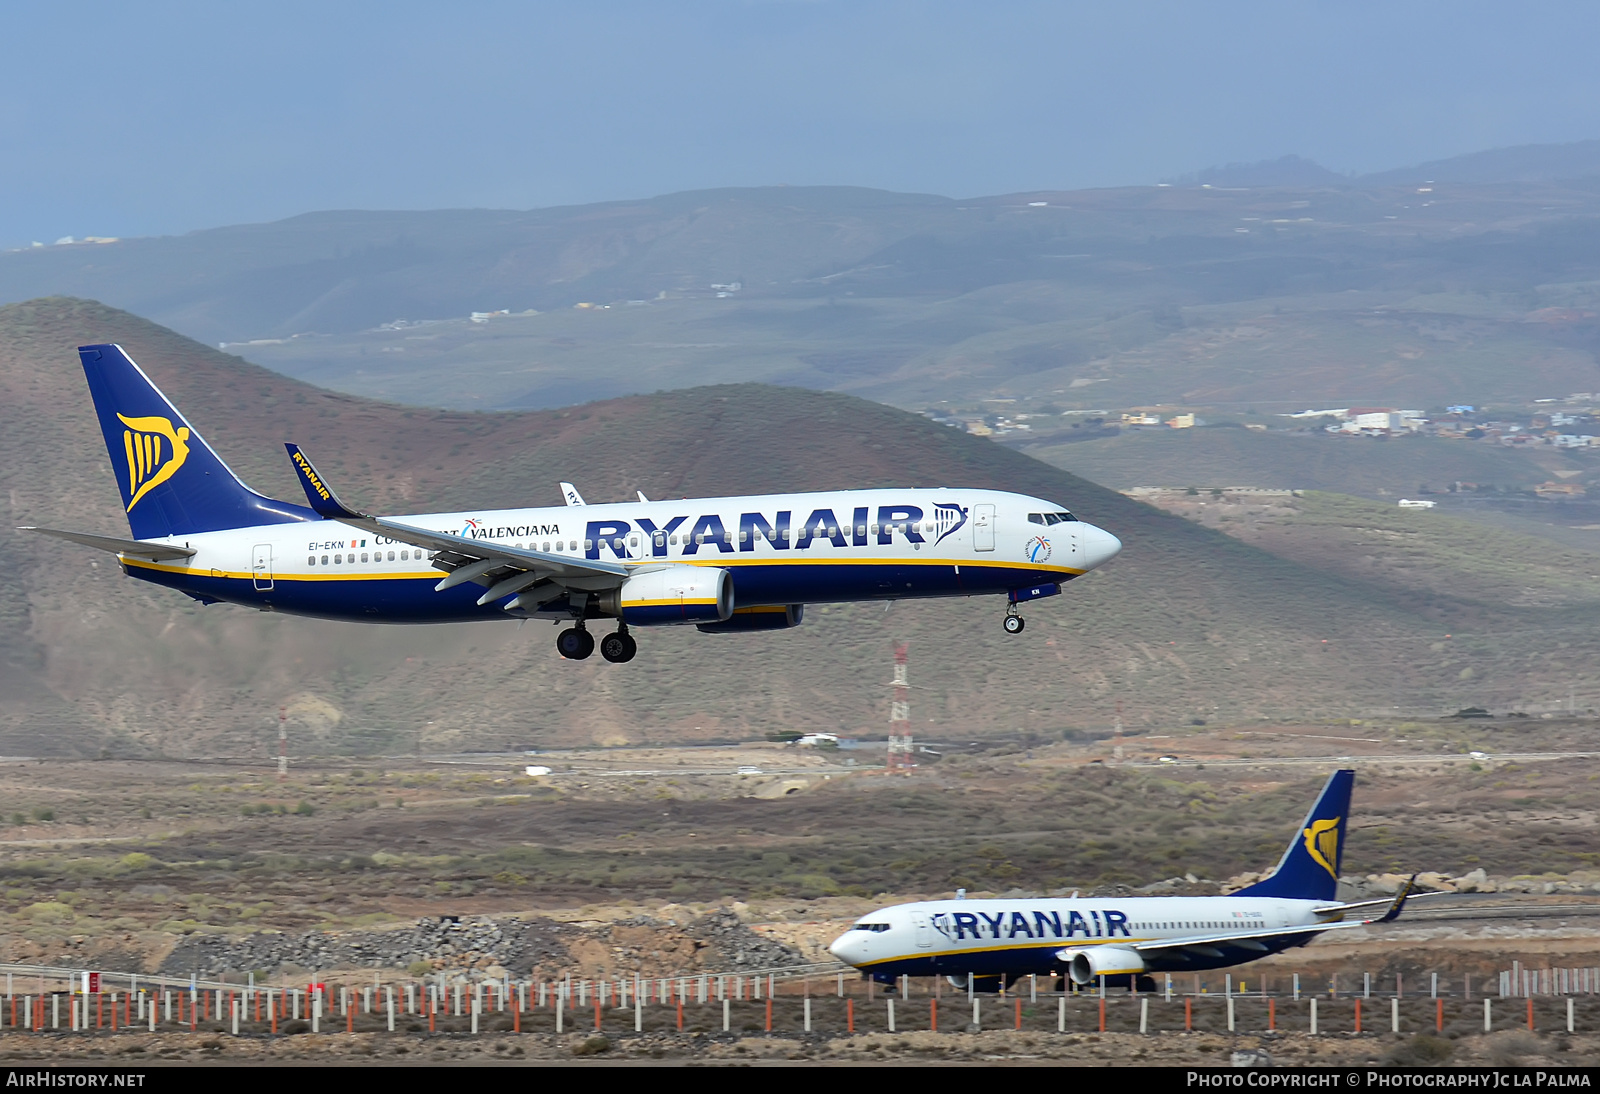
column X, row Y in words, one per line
column 575, row 644
column 618, row 647
column 1014, row 624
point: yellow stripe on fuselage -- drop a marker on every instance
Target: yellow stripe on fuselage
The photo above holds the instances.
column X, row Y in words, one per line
column 1062, row 944
column 368, row 575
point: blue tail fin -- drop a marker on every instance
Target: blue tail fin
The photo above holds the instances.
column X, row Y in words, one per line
column 1309, row 869
column 172, row 483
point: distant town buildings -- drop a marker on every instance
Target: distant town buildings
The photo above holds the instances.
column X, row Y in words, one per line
column 1373, row 421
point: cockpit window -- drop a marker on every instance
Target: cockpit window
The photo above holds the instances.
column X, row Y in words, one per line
column 1063, row 516
column 1050, row 518
column 1037, row 518
column 875, row 928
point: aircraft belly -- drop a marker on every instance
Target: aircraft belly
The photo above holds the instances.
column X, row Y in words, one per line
column 366, row 599
column 377, row 599
column 832, row 583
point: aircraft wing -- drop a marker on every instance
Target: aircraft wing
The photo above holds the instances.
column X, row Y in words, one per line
column 156, row 552
column 1340, row 909
column 1207, row 945
column 534, row 577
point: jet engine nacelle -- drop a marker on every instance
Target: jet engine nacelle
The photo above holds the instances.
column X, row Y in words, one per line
column 775, row 617
column 1091, row 962
column 672, row 594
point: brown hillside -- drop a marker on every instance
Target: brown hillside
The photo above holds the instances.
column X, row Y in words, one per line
column 1186, row 623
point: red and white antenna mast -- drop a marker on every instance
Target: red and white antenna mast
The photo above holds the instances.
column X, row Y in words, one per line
column 900, row 714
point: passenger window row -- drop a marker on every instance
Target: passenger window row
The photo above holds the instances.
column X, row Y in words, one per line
column 375, row 556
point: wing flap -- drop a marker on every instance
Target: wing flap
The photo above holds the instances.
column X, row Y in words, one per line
column 483, row 562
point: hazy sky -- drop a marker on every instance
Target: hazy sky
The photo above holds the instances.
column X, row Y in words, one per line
column 154, row 117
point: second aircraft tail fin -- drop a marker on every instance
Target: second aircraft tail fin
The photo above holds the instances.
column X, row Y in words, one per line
column 1309, row 868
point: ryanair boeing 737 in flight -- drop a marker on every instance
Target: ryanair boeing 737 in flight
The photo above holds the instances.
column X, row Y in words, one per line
column 721, row 564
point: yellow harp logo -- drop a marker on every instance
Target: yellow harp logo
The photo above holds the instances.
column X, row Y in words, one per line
column 1322, row 843
column 155, row 452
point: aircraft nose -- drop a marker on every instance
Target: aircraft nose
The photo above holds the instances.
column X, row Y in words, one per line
column 1101, row 547
column 843, row 949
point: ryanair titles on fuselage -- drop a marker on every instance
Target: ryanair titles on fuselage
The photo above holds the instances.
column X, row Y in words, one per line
column 780, row 532
column 710, row 531
column 1106, row 923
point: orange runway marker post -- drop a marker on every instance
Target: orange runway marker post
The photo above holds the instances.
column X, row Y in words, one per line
column 1358, row 1014
column 933, row 1015
column 1018, row 1022
column 769, row 1013
column 680, row 1015
column 850, row 1014
column 1188, row 1014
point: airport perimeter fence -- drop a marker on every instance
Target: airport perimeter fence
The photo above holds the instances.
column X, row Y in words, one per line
column 815, row 999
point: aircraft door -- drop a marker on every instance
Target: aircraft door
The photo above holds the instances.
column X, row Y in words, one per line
column 983, row 527
column 261, row 566
column 922, row 930
column 638, row 546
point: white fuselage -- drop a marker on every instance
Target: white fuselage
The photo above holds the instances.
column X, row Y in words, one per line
column 998, row 937
column 824, row 546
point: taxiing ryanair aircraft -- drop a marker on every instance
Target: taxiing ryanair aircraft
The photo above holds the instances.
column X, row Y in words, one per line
column 721, row 564
column 995, row 941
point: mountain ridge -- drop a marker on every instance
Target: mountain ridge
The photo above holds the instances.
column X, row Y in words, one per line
column 139, row 669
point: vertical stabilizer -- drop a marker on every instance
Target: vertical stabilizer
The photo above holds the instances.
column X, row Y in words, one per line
column 1309, row 869
column 172, row 483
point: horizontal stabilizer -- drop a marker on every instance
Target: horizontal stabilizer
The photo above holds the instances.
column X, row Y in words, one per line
column 156, row 552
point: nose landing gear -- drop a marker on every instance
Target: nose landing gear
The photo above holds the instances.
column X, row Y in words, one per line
column 619, row 646
column 1013, row 622
column 575, row 644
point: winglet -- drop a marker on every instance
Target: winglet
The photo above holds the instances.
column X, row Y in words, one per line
column 1399, row 901
column 570, row 492
column 318, row 492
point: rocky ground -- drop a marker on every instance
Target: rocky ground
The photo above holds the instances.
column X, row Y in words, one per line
column 491, row 946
